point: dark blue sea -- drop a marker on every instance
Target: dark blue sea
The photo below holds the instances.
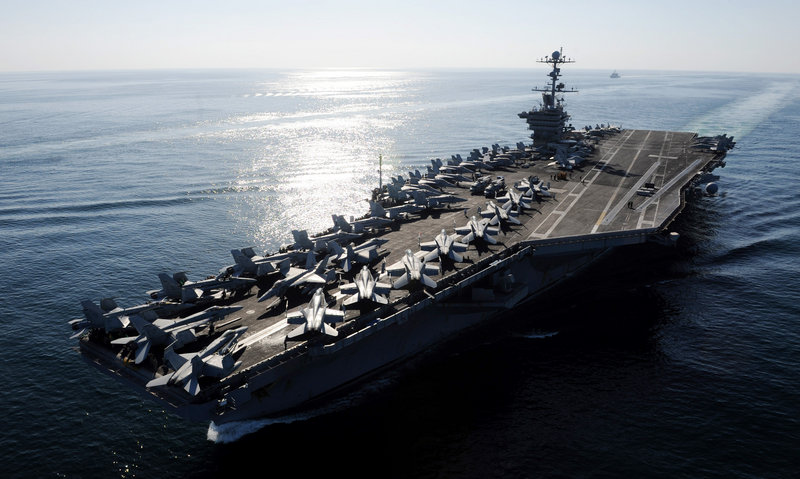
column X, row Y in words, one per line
column 656, row 362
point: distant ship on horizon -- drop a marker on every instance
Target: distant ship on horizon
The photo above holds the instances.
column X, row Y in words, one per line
column 615, row 74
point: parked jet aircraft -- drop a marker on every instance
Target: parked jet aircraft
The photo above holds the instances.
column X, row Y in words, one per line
column 532, row 186
column 393, row 212
column 110, row 317
column 314, row 318
column 444, row 246
column 349, row 256
column 358, row 226
column 412, row 269
column 365, row 288
column 499, row 215
column 247, row 262
column 313, row 273
column 563, row 161
column 168, row 331
column 320, row 243
column 179, row 288
column 514, row 200
column 434, row 201
column 476, row 229
column 215, row 360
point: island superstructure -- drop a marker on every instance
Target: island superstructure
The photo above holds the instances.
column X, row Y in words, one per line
column 549, row 120
column 438, row 253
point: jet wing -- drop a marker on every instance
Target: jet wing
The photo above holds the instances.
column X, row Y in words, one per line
column 367, row 254
column 336, row 314
column 298, row 331
column 428, row 245
column 401, row 282
column 313, row 278
column 396, row 269
column 432, row 255
column 463, row 230
column 296, row 317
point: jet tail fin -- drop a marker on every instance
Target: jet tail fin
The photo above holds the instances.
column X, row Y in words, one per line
column 335, row 248
column 171, row 287
column 243, row 260
column 108, row 304
column 376, row 210
column 93, row 313
column 301, row 240
column 341, row 223
column 322, row 266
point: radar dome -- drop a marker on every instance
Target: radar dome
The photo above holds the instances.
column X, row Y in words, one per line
column 556, row 54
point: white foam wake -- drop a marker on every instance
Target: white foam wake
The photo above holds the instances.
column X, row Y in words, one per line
column 540, row 334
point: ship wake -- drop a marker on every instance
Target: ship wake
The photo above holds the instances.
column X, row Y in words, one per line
column 740, row 117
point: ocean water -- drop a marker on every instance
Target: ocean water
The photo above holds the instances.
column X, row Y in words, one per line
column 654, row 363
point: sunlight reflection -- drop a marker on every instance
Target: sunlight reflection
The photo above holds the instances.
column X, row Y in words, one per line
column 307, row 161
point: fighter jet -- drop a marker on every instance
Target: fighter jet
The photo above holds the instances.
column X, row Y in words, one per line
column 110, row 317
column 247, row 262
column 514, row 200
column 532, row 186
column 359, row 226
column 313, row 273
column 347, row 257
column 444, row 246
column 454, row 170
column 320, row 243
column 412, row 269
column 167, row 331
column 365, row 288
column 314, row 318
column 393, row 212
column 215, row 360
column 179, row 288
column 499, row 215
column 562, row 161
column 396, row 193
column 434, row 201
column 477, row 230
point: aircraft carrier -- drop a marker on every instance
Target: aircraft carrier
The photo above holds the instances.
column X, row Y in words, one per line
column 439, row 252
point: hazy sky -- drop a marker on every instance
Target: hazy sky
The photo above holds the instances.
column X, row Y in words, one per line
column 728, row 35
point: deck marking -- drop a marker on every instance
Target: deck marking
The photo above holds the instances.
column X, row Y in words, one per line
column 689, row 169
column 602, row 163
column 607, row 219
column 622, row 180
column 264, row 333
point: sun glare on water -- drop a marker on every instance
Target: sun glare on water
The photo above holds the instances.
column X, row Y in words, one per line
column 316, row 157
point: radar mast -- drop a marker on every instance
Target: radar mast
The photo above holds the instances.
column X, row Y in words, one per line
column 549, row 99
column 550, row 121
